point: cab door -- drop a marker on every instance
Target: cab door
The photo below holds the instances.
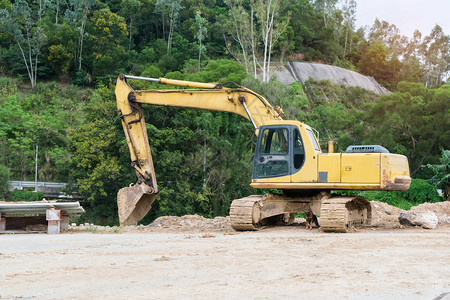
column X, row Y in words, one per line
column 273, row 158
column 304, row 155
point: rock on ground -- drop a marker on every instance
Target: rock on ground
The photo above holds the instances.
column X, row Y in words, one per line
column 424, row 218
column 441, row 209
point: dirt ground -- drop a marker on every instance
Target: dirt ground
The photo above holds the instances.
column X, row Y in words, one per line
column 273, row 263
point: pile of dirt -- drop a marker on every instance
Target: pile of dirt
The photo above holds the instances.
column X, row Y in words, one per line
column 383, row 215
column 193, row 222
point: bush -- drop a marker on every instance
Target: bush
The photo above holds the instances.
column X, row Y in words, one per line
column 81, row 78
column 152, row 72
column 8, row 86
column 19, row 196
column 421, row 191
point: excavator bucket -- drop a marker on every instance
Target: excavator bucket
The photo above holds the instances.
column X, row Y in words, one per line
column 134, row 202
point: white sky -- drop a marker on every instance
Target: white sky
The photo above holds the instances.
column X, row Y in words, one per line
column 407, row 15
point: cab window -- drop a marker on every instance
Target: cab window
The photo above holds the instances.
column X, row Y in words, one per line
column 275, row 141
column 313, row 139
column 299, row 150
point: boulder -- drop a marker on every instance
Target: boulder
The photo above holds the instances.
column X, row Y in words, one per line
column 424, row 218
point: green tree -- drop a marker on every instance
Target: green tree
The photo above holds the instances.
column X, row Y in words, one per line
column 436, row 51
column 170, row 11
column 349, row 14
column 316, row 30
column 374, row 62
column 130, row 9
column 413, row 121
column 108, row 33
column 100, row 155
column 326, row 8
column 201, row 32
column 441, row 178
column 78, row 12
column 23, row 25
column 255, row 30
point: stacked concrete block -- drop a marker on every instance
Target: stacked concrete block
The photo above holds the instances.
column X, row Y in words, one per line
column 53, row 217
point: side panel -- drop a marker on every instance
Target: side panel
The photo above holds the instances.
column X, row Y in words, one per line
column 360, row 168
column 330, row 167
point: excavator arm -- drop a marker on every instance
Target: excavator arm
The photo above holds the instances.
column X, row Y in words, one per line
column 135, row 201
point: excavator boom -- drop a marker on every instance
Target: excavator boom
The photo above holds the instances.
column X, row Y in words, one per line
column 135, row 201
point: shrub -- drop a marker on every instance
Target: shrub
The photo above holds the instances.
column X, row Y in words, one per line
column 19, row 196
column 421, row 191
column 81, row 78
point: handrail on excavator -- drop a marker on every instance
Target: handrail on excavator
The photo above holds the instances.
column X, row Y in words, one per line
column 184, row 83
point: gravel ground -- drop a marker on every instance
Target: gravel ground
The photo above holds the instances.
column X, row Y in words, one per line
column 278, row 262
column 191, row 257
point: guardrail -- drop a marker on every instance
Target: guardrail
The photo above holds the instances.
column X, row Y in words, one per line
column 20, row 185
column 51, row 190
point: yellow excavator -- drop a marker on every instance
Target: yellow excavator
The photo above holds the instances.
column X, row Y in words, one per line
column 287, row 157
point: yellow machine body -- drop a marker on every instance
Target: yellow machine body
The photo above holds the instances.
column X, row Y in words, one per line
column 347, row 171
column 365, row 171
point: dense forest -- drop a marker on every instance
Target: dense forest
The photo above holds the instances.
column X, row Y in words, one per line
column 59, row 61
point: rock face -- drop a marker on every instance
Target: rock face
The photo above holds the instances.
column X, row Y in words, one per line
column 424, row 218
column 302, row 71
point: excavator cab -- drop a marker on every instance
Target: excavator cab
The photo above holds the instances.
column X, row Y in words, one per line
column 285, row 150
column 272, row 157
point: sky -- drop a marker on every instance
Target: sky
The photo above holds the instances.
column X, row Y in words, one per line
column 407, row 15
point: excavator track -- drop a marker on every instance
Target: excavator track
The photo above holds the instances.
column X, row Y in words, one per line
column 340, row 214
column 337, row 214
column 245, row 213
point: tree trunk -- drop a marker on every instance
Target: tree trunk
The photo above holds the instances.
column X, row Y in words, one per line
column 26, row 63
column 83, row 22
column 199, row 53
column 345, row 44
column 129, row 44
column 57, row 12
column 171, row 25
column 31, row 73
column 266, row 41
column 252, row 40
